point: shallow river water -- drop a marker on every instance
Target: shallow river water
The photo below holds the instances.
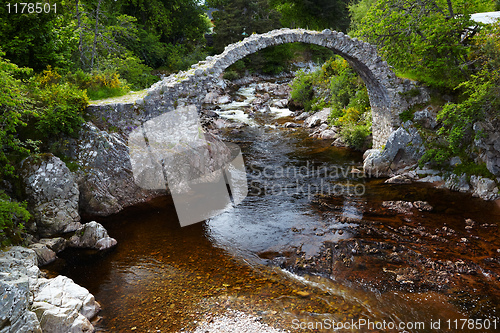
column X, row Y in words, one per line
column 164, row 278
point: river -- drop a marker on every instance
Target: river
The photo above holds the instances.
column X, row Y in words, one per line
column 312, row 242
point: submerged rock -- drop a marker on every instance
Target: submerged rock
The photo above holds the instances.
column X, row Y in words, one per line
column 52, row 193
column 402, row 207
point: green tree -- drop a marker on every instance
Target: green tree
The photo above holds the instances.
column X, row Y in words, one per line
column 358, row 10
column 170, row 33
column 238, row 19
column 173, row 21
column 14, row 109
column 426, row 39
column 313, row 14
column 480, row 99
column 12, row 216
column 36, row 40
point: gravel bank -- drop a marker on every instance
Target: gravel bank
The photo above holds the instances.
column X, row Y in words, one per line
column 235, row 322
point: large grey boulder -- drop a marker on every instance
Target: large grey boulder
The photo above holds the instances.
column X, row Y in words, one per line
column 105, row 175
column 403, row 148
column 488, row 142
column 426, row 117
column 458, row 183
column 92, row 235
column 52, row 195
column 62, row 306
column 484, row 188
column 18, row 267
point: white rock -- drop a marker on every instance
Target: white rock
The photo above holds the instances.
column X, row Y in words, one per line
column 62, row 293
column 484, row 188
column 92, row 235
column 328, row 134
column 282, row 103
column 317, row 118
column 224, row 99
column 302, row 116
column 431, row 179
column 56, row 319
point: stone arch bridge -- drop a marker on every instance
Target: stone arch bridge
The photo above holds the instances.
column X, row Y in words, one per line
column 389, row 95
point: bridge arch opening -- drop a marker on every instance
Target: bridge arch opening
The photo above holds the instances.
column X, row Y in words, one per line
column 384, row 87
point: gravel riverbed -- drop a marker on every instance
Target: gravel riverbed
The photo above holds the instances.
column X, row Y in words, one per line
column 234, row 321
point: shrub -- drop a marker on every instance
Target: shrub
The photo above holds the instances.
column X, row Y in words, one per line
column 60, row 105
column 14, row 109
column 355, row 135
column 12, row 216
column 62, row 109
column 472, row 168
column 99, row 84
column 302, row 89
column 340, row 88
column 406, row 115
column 132, row 70
column 230, row 75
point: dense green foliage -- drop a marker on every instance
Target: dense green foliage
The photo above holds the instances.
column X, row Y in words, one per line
column 480, row 97
column 36, row 41
column 235, row 20
column 339, row 88
column 125, row 37
column 59, row 105
column 436, row 42
column 14, row 109
column 357, row 11
column 428, row 40
column 313, row 14
column 12, row 217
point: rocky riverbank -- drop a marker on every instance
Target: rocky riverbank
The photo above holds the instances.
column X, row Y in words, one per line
column 399, row 158
column 35, row 304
